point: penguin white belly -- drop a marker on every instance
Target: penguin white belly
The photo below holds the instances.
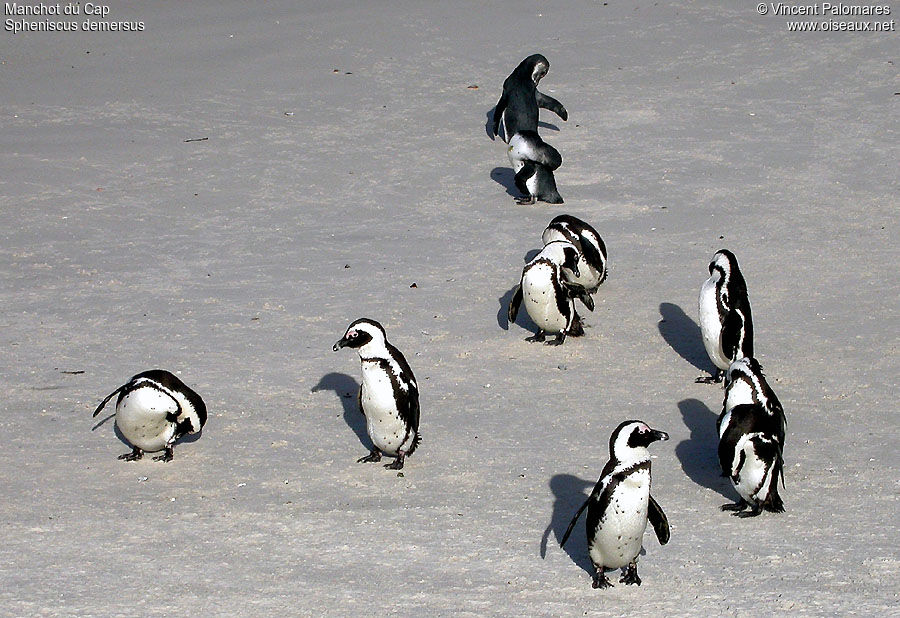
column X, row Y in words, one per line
column 383, row 422
column 621, row 531
column 540, row 299
column 520, row 150
column 738, row 393
column 754, row 474
column 710, row 325
column 141, row 417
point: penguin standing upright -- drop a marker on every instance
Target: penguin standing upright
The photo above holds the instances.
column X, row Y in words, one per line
column 518, row 106
column 547, row 299
column 388, row 396
column 153, row 410
column 751, row 439
column 592, row 266
column 534, row 160
column 620, row 505
column 725, row 320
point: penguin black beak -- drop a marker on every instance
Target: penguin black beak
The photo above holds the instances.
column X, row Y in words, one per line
column 659, row 435
column 340, row 344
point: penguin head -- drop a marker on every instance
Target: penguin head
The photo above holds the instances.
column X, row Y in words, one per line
column 724, row 262
column 360, row 333
column 742, row 367
column 536, row 65
column 563, row 253
column 631, row 439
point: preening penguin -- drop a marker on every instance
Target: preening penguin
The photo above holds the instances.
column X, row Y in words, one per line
column 592, row 263
column 547, row 299
column 518, row 106
column 153, row 410
column 751, row 439
column 389, row 395
column 725, row 320
column 620, row 505
column 534, row 160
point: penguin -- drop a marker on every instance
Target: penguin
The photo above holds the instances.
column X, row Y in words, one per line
column 547, row 299
column 593, row 263
column 751, row 431
column 725, row 319
column 153, row 410
column 518, row 106
column 534, row 160
column 388, row 396
column 620, row 505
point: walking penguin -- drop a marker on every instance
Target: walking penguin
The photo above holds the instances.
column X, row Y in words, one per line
column 153, row 410
column 725, row 320
column 547, row 299
column 389, row 395
column 751, row 439
column 621, row 504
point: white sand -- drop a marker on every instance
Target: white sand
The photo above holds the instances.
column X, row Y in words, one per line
column 693, row 126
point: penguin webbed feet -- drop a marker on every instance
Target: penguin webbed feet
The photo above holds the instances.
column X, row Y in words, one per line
column 538, row 337
column 373, row 457
column 600, row 580
column 737, row 508
column 755, row 510
column 397, row 464
column 529, row 200
column 167, row 455
column 630, row 575
column 715, row 378
column 559, row 340
column 134, row 455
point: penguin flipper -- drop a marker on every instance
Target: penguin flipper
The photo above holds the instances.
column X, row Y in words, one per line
column 578, row 291
column 105, row 401
column 572, row 523
column 548, row 102
column 514, row 303
column 498, row 113
column 659, row 521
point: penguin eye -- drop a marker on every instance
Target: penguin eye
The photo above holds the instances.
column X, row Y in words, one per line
column 352, row 334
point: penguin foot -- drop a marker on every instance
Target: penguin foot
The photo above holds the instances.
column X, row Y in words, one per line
column 630, row 575
column 740, row 505
column 560, row 339
column 397, row 464
column 538, row 338
column 753, row 512
column 372, row 457
column 526, row 201
column 716, row 378
column 134, row 455
column 166, row 456
column 600, row 580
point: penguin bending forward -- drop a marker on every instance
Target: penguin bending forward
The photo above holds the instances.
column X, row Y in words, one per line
column 153, row 410
column 592, row 264
column 751, row 439
column 725, row 320
column 620, row 505
column 534, row 160
column 518, row 106
column 547, row 299
column 388, row 396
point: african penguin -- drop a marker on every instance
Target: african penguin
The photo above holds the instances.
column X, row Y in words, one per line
column 547, row 300
column 725, row 320
column 389, row 395
column 518, row 106
column 153, row 410
column 534, row 160
column 591, row 248
column 751, row 439
column 620, row 505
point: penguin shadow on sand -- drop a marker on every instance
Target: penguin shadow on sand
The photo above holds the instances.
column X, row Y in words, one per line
column 347, row 390
column 522, row 319
column 569, row 493
column 699, row 454
column 684, row 336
